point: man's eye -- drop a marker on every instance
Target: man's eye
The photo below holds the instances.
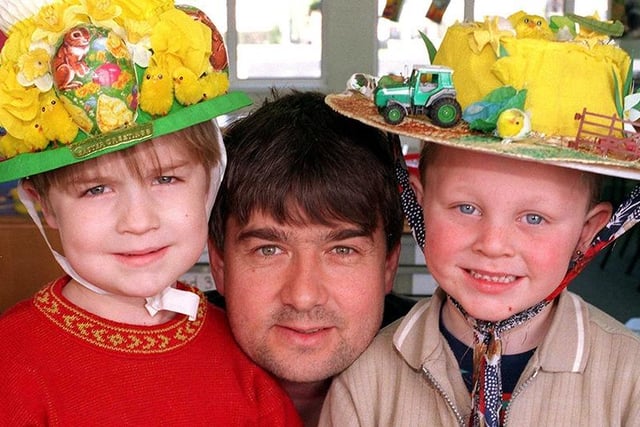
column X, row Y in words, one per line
column 533, row 219
column 268, row 250
column 343, row 250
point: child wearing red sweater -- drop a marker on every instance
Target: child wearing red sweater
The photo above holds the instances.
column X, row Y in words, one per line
column 125, row 164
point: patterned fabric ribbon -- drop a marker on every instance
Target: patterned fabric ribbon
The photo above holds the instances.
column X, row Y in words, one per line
column 486, row 393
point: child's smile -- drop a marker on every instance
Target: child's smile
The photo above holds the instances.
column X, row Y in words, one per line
column 500, row 233
column 133, row 234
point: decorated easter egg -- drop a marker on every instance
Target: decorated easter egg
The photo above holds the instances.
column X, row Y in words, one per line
column 218, row 58
column 94, row 77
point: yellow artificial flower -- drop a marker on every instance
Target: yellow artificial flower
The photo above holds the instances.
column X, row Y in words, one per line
column 179, row 40
column 137, row 30
column 50, row 17
column 144, row 9
column 101, row 13
column 139, row 40
column 102, row 10
column 54, row 19
column 490, row 32
column 34, row 69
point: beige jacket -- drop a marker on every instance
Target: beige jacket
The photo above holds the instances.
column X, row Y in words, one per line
column 585, row 373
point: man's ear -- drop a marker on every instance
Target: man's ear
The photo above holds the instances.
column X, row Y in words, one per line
column 47, row 211
column 595, row 220
column 416, row 184
column 216, row 263
column 391, row 268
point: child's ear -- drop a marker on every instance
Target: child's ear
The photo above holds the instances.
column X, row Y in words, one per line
column 416, row 184
column 216, row 262
column 596, row 219
column 34, row 195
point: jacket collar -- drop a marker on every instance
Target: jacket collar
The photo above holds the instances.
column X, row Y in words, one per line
column 568, row 332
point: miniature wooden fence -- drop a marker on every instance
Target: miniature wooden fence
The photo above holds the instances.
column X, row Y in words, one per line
column 605, row 136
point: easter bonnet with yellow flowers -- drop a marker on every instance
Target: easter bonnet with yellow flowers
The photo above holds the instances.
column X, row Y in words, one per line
column 556, row 92
column 81, row 78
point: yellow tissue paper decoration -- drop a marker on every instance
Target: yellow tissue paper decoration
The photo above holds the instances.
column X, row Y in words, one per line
column 561, row 78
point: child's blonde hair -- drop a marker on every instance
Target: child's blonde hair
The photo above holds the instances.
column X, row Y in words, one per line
column 593, row 181
column 201, row 142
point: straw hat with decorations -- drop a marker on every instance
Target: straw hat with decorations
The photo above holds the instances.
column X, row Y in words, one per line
column 562, row 95
column 557, row 92
column 82, row 78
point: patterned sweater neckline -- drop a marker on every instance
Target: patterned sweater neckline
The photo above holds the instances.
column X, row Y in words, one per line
column 114, row 336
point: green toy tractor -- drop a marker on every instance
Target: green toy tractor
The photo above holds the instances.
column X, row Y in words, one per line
column 428, row 91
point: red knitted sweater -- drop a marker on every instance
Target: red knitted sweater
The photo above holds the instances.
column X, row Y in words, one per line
column 63, row 366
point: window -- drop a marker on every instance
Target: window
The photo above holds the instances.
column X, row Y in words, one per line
column 315, row 44
column 269, row 41
column 400, row 45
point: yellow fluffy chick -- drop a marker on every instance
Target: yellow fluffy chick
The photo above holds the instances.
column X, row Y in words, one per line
column 214, row 84
column 187, row 87
column 57, row 124
column 10, row 145
column 530, row 26
column 156, row 91
column 33, row 137
column 513, row 124
column 30, row 139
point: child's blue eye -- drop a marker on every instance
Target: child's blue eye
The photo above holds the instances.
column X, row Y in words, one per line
column 94, row 191
column 534, row 219
column 165, row 179
column 467, row 209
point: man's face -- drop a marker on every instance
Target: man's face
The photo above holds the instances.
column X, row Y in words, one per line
column 304, row 301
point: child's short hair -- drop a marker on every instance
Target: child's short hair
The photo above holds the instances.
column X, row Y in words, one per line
column 200, row 141
column 594, row 181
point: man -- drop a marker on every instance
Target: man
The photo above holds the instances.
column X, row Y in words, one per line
column 304, row 241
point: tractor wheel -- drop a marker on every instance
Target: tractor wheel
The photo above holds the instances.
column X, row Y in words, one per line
column 394, row 114
column 445, row 112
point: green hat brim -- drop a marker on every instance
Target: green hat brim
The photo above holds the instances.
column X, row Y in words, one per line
column 147, row 127
column 541, row 149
